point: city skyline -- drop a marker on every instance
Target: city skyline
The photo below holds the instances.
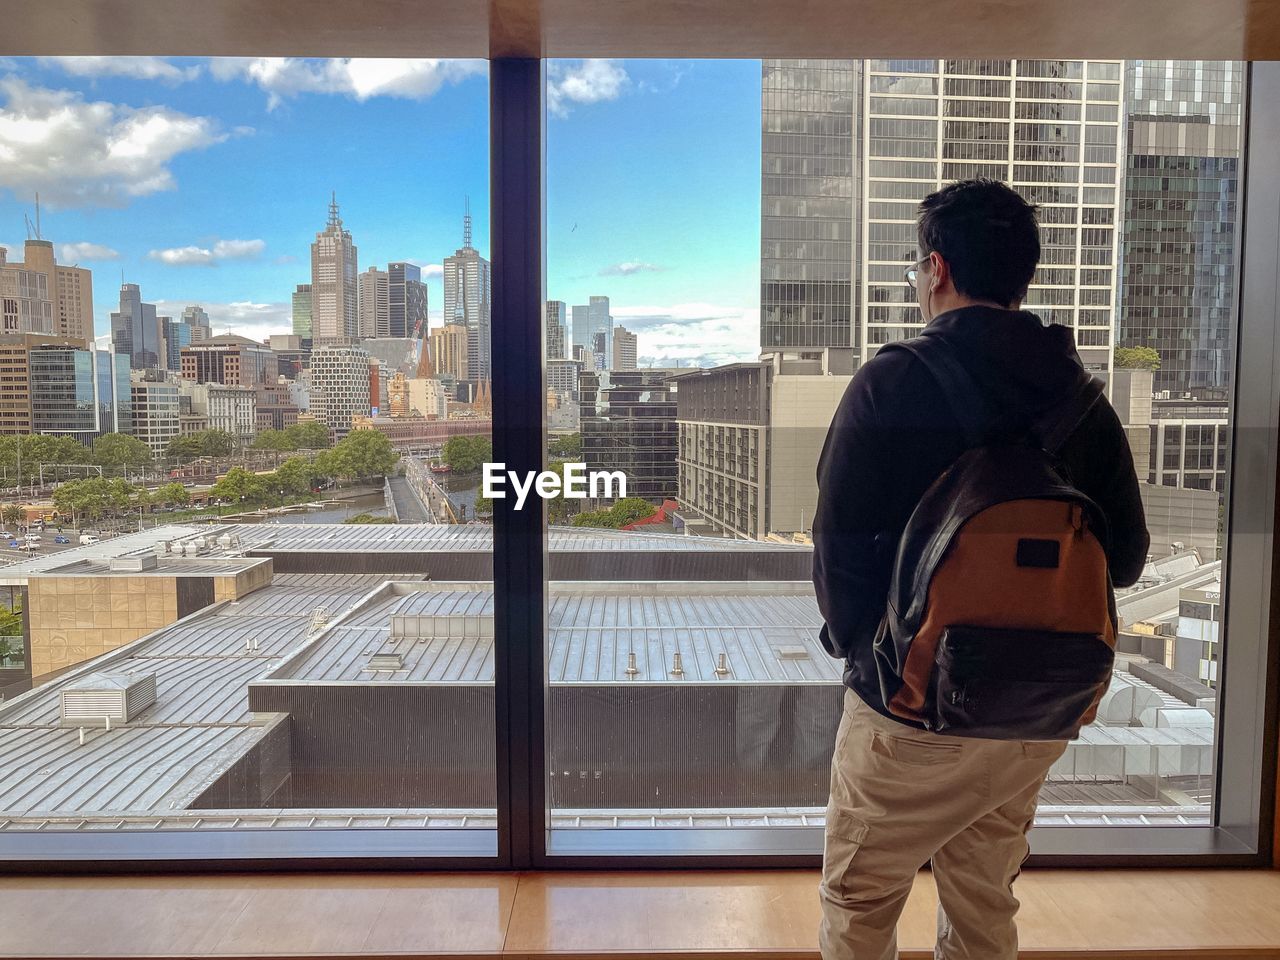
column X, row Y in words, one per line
column 203, row 219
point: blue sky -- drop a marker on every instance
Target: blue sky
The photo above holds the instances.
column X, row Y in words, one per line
column 205, row 181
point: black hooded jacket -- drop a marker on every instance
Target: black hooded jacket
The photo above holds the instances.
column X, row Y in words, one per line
column 894, row 433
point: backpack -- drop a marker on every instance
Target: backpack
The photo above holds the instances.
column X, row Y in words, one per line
column 1000, row 620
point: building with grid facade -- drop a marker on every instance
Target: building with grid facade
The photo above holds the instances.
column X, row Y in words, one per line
column 628, row 420
column 1050, row 128
column 340, row 387
column 1179, row 243
column 334, row 300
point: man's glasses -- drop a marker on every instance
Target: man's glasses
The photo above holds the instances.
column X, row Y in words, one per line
column 912, row 272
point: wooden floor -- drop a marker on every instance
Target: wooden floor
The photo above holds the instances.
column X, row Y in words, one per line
column 768, row 915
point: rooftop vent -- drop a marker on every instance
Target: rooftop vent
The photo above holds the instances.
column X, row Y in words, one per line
column 386, row 661
column 415, row 626
column 101, row 699
column 135, row 564
column 792, row 652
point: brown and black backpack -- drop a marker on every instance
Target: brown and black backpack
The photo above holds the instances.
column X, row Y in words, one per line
column 1000, row 620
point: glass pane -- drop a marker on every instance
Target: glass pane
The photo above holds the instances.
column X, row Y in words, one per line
column 689, row 687
column 242, row 460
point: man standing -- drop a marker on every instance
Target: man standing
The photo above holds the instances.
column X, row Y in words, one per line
column 902, row 796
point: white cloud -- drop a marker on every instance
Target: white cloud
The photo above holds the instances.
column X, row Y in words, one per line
column 284, row 258
column 257, row 321
column 589, row 81
column 628, row 267
column 429, row 270
column 691, row 334
column 193, row 256
column 356, row 77
column 77, row 153
column 75, row 252
column 139, row 68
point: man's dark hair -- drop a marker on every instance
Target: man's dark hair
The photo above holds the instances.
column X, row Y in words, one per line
column 988, row 235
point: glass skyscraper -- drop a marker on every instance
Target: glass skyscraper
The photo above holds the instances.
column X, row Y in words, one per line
column 63, row 395
column 135, row 330
column 1182, row 184
column 113, row 391
column 467, row 301
column 407, row 301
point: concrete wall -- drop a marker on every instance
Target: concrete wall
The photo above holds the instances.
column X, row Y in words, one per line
column 800, row 413
column 1175, row 514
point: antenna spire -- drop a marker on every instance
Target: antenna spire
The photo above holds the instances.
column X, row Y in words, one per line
column 38, row 235
column 334, row 219
column 466, row 225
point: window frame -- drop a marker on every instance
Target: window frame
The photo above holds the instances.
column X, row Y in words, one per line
column 1245, row 783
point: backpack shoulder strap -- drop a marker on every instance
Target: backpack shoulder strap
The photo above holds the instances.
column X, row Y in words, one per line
column 1055, row 429
column 966, row 401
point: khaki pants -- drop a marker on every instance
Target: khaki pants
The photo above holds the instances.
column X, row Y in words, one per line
column 902, row 797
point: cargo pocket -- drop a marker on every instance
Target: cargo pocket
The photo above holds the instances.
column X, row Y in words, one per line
column 845, row 835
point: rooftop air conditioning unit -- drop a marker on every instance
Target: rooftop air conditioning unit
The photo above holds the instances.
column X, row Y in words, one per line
column 134, row 564
column 161, row 548
column 386, row 661
column 103, row 699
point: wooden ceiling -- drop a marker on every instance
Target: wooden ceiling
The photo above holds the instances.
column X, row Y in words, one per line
column 1191, row 29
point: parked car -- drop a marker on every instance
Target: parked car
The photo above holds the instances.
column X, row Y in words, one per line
column 88, row 540
column 14, row 543
column 61, row 539
column 33, row 538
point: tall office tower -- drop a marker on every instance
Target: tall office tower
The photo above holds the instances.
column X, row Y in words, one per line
column 1049, row 128
column 466, row 301
column 231, row 360
column 340, row 381
column 178, row 334
column 135, row 330
column 26, row 304
column 406, row 301
column 375, row 306
column 581, row 332
column 113, row 392
column 302, row 311
column 334, row 311
column 198, row 320
column 810, row 263
column 63, row 394
column 1182, row 184
column 555, row 320
column 449, row 351
column 68, row 290
column 624, row 349
column 593, row 330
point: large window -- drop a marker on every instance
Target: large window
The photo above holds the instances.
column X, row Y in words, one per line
column 288, row 621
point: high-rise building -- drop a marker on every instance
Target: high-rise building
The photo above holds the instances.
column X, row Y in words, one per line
column 406, row 301
column 593, row 330
column 155, row 410
column 63, row 392
column 628, row 420
column 114, row 392
column 427, row 397
column 466, row 302
column 449, row 350
column 302, row 311
column 177, row 334
column 875, row 137
column 562, row 377
column 1184, row 135
column 201, row 326
column 231, row 360
column 26, row 304
column 555, row 320
column 624, row 349
column 334, row 300
column 135, row 330
column 68, row 291
column 274, row 407
column 340, row 382
column 375, row 305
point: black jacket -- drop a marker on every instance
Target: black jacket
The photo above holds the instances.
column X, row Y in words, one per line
column 894, row 433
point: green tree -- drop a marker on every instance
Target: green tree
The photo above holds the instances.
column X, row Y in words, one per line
column 11, row 621
column 367, row 518
column 11, row 514
column 1137, row 358
column 309, row 435
column 278, row 440
column 172, row 494
column 183, row 448
column 364, row 453
column 625, row 511
column 565, row 448
column 117, row 450
column 466, row 454
column 216, row 443
column 296, row 475
column 239, row 485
